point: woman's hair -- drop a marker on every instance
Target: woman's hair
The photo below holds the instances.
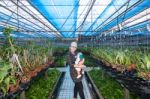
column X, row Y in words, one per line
column 73, row 44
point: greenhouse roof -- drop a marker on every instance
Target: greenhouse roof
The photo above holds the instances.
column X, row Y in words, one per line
column 69, row 18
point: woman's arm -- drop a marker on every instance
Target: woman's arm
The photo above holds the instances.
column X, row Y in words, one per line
column 70, row 61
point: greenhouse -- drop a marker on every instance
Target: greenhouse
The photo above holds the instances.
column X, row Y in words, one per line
column 74, row 49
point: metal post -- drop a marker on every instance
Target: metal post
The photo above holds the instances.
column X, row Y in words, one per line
column 127, row 95
column 22, row 95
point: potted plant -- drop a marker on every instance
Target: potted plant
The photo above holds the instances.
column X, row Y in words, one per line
column 144, row 69
column 6, row 79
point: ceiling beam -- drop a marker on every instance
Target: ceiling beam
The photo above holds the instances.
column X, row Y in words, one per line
column 58, row 35
column 129, row 9
column 30, row 2
column 87, row 13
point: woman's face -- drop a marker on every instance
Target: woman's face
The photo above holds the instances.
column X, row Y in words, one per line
column 73, row 48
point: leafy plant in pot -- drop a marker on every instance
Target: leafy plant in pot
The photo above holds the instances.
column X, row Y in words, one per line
column 50, row 54
column 14, row 58
column 109, row 56
column 11, row 66
column 144, row 67
column 121, row 60
column 5, row 78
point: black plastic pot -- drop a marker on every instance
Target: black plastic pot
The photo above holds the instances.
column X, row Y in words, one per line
column 145, row 96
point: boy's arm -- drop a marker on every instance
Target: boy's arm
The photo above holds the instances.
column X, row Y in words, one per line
column 70, row 61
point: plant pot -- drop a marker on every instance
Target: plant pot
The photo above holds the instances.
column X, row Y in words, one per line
column 120, row 68
column 114, row 66
column 44, row 66
column 25, row 78
column 33, row 73
column 38, row 69
column 107, row 64
column 133, row 66
column 145, row 75
column 50, row 62
column 14, row 87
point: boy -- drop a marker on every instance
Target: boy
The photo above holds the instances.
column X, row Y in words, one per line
column 79, row 62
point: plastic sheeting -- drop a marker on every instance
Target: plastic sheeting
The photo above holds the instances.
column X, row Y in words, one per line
column 68, row 18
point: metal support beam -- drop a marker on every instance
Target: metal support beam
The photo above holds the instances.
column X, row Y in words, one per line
column 109, row 16
column 79, row 18
column 75, row 17
column 130, row 8
column 87, row 13
column 58, row 35
column 22, row 17
column 20, row 21
column 29, row 1
column 15, row 25
column 30, row 31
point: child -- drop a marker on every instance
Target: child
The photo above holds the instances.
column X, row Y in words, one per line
column 79, row 62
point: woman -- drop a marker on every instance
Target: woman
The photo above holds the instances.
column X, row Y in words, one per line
column 78, row 88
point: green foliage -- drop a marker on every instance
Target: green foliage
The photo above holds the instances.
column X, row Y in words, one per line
column 33, row 55
column 5, row 77
column 109, row 88
column 89, row 61
column 60, row 49
column 60, row 61
column 145, row 63
column 43, row 86
column 124, row 57
column 30, row 57
column 7, row 31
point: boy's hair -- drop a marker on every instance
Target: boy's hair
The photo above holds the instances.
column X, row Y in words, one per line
column 81, row 56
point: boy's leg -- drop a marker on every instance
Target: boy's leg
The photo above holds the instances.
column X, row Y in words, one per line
column 78, row 72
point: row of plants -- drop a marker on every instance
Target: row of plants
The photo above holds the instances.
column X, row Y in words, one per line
column 43, row 86
column 60, row 61
column 58, row 51
column 19, row 64
column 108, row 86
column 89, row 61
column 125, row 60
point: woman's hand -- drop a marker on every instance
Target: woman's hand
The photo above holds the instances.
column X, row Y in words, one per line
column 76, row 65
